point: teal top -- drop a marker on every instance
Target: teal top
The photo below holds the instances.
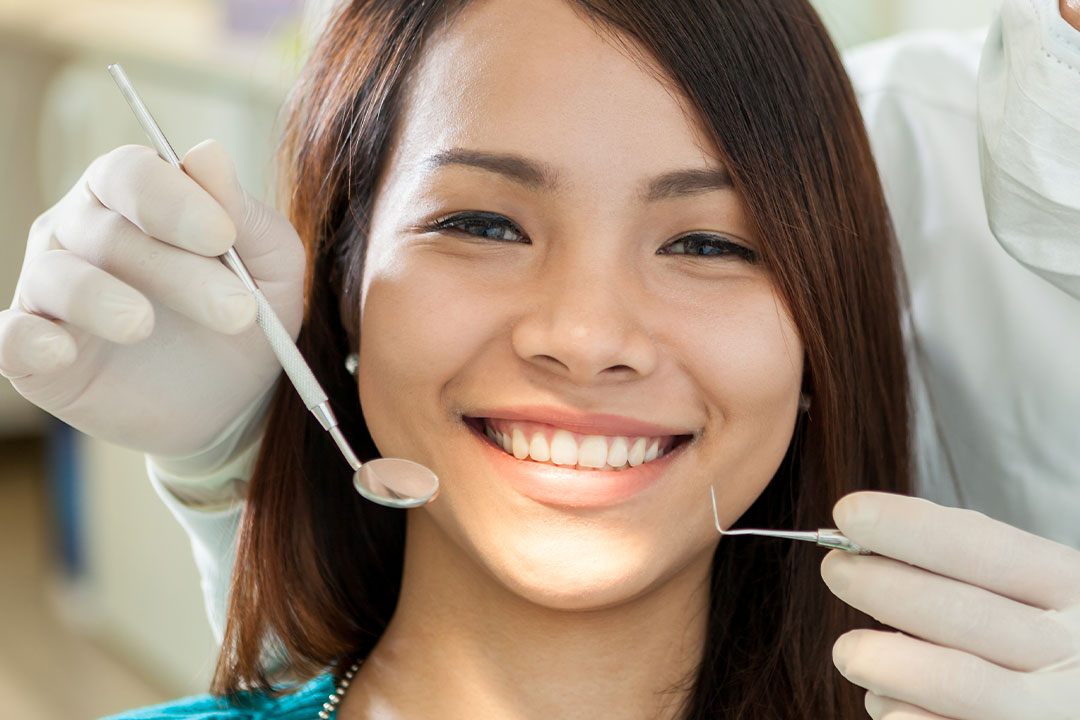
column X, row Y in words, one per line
column 304, row 704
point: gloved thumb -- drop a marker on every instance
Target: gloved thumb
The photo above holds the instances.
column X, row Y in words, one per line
column 266, row 242
column 261, row 232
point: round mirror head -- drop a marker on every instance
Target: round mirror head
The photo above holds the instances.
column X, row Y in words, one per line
column 396, row 483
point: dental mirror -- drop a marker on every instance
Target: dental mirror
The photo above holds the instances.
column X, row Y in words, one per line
column 395, row 482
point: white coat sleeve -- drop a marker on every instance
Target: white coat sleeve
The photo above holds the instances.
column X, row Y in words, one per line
column 205, row 493
column 211, row 529
column 1029, row 139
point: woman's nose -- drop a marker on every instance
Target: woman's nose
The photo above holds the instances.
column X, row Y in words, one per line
column 585, row 323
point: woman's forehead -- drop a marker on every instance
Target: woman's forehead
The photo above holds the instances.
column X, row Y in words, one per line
column 536, row 78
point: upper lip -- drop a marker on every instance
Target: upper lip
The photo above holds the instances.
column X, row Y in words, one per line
column 579, row 422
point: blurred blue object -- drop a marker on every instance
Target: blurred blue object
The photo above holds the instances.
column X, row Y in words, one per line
column 259, row 17
column 66, row 500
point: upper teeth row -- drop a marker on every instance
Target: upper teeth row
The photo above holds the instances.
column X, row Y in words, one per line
column 593, row 451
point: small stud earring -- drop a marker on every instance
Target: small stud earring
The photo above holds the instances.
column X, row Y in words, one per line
column 352, row 362
column 804, row 402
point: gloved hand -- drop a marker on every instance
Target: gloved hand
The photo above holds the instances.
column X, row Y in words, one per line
column 989, row 615
column 126, row 325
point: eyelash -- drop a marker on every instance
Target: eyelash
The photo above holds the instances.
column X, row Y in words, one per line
column 459, row 221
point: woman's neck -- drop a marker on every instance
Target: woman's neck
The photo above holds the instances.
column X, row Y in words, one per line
column 461, row 645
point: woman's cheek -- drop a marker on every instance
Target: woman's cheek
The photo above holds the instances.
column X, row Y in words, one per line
column 422, row 324
column 739, row 344
column 749, row 369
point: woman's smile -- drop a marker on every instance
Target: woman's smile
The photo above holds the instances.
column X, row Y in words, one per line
column 568, row 459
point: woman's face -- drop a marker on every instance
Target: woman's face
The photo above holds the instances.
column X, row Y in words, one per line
column 555, row 254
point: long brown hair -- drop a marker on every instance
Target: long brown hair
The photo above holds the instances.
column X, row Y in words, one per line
column 319, row 570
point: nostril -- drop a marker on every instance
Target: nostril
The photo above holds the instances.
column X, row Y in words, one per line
column 549, row 360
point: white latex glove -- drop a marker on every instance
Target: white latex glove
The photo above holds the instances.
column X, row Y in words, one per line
column 989, row 615
column 126, row 325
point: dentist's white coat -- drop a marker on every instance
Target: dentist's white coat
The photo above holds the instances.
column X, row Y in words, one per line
column 994, row 324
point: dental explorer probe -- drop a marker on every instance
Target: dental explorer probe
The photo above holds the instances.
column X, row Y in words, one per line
column 824, row 537
column 387, row 481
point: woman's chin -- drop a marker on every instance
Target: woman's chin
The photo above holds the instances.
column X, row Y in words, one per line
column 565, row 576
column 557, row 558
column 562, row 589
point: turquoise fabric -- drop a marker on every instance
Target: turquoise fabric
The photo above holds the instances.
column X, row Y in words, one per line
column 304, row 704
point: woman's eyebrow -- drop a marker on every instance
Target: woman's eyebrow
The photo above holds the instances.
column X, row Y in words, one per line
column 531, row 173
column 539, row 176
column 686, row 182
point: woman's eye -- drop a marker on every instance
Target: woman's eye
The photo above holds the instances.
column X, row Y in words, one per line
column 489, row 226
column 703, row 245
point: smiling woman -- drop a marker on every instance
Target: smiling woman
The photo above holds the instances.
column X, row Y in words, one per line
column 594, row 256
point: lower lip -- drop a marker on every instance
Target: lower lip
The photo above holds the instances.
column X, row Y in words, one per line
column 567, row 487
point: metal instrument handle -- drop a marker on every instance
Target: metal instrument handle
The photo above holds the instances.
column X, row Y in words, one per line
column 833, row 538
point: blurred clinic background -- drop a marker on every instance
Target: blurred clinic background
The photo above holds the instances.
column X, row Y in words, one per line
column 100, row 608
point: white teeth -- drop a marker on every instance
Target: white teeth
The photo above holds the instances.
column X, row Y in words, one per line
column 636, row 456
column 520, row 445
column 598, row 452
column 538, row 448
column 593, row 452
column 617, row 454
column 564, row 451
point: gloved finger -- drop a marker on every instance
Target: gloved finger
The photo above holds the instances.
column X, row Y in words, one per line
column 201, row 288
column 965, row 545
column 945, row 681
column 30, row 344
column 59, row 284
column 265, row 240
column 883, row 708
column 948, row 612
column 160, row 200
